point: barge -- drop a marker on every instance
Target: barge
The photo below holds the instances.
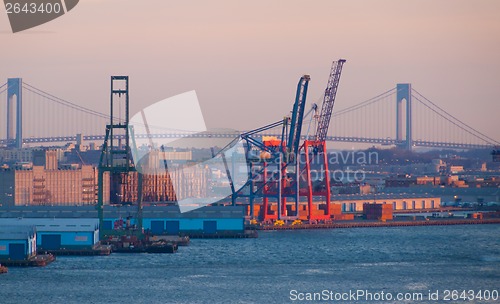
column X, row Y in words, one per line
column 96, row 250
column 40, row 260
column 133, row 244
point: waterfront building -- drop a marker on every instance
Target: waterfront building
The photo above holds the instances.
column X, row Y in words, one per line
column 59, row 233
column 17, row 243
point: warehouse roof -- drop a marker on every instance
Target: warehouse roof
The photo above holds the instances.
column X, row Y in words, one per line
column 53, row 224
column 89, row 212
column 21, row 232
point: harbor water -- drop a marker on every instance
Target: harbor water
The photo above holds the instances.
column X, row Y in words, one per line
column 277, row 267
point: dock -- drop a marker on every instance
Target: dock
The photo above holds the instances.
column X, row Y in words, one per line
column 366, row 224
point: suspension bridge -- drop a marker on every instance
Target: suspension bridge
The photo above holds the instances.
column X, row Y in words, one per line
column 401, row 116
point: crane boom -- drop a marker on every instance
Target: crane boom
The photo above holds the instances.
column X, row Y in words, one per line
column 298, row 115
column 329, row 100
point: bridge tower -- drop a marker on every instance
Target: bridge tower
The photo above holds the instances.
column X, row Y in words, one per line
column 15, row 115
column 403, row 95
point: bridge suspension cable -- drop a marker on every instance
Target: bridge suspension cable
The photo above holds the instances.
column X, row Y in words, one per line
column 89, row 111
column 452, row 119
column 6, row 88
column 372, row 118
column 365, row 103
column 61, row 101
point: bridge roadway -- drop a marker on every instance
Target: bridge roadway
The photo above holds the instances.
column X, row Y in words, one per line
column 381, row 141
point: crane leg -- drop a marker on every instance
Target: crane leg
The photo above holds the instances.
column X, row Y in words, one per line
column 309, row 182
column 327, row 181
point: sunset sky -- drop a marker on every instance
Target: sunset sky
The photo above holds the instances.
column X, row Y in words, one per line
column 244, row 58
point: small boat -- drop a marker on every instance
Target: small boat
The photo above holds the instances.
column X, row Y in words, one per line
column 3, row 269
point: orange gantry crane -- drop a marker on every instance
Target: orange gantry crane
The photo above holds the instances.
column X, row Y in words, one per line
column 317, row 145
column 279, row 174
